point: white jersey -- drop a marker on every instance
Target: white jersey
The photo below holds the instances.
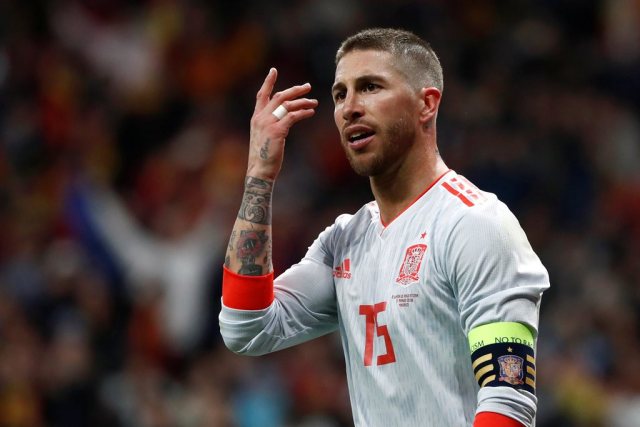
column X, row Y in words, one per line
column 404, row 297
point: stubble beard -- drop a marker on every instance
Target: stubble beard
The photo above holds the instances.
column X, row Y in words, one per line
column 394, row 142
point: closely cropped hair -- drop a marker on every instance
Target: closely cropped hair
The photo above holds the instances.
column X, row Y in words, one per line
column 416, row 58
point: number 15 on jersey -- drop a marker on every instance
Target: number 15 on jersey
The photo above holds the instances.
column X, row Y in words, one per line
column 371, row 319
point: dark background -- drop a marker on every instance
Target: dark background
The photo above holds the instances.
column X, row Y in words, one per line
column 149, row 102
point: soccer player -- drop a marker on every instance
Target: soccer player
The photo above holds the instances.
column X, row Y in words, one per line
column 433, row 286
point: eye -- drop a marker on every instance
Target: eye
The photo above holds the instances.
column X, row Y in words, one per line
column 338, row 95
column 370, row 87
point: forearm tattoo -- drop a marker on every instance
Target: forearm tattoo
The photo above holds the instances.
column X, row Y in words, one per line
column 227, row 259
column 256, row 202
column 251, row 245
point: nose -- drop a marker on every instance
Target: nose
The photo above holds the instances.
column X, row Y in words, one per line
column 352, row 107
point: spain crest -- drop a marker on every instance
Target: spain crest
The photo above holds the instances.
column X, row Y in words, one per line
column 411, row 265
column 511, row 369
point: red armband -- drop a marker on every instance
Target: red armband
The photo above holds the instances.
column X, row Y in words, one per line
column 246, row 292
column 492, row 419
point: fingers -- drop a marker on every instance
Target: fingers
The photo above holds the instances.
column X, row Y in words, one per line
column 263, row 95
column 295, row 108
column 271, row 122
column 289, row 94
column 289, row 99
column 298, row 109
column 295, row 116
column 299, row 104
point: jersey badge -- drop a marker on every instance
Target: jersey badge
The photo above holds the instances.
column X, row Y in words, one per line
column 411, row 264
column 511, row 369
column 343, row 271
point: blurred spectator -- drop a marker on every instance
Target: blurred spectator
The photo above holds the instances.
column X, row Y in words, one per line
column 170, row 261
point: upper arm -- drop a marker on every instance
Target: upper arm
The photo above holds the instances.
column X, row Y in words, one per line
column 498, row 281
column 494, row 272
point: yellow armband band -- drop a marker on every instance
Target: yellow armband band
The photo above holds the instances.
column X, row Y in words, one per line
column 502, row 354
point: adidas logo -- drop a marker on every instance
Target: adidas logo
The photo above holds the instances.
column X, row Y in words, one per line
column 343, row 271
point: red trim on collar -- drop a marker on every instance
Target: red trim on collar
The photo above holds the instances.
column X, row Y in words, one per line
column 415, row 200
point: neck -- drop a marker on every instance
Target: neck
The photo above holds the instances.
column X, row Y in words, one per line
column 396, row 191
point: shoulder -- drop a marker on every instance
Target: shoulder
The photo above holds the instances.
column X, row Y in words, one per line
column 492, row 216
column 490, row 263
column 352, row 226
column 364, row 215
column 471, row 214
column 349, row 227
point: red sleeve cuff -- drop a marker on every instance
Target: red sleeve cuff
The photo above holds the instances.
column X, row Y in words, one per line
column 246, row 292
column 492, row 419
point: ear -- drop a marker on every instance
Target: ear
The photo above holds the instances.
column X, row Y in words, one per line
column 430, row 97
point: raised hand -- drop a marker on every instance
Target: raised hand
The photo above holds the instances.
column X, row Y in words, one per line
column 249, row 250
column 269, row 128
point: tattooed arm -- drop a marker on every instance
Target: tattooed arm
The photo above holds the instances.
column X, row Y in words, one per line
column 249, row 249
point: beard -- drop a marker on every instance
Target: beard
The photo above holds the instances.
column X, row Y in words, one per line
column 394, row 142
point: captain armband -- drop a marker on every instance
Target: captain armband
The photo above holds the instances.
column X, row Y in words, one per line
column 502, row 354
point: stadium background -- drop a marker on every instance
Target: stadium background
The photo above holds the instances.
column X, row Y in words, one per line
column 123, row 135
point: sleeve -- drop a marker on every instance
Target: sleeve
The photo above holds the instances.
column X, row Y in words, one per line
column 492, row 419
column 303, row 306
column 498, row 280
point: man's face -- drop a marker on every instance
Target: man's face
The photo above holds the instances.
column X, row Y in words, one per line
column 376, row 112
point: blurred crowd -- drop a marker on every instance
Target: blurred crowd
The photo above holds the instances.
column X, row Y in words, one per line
column 123, row 138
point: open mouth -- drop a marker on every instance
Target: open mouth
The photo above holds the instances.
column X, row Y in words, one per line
column 360, row 138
